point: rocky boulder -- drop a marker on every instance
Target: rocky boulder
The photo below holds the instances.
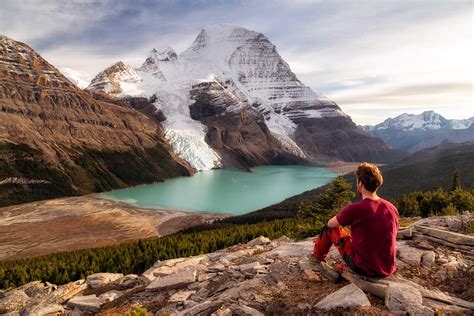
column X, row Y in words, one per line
column 405, row 298
column 100, row 279
column 347, row 297
column 180, row 278
column 89, row 303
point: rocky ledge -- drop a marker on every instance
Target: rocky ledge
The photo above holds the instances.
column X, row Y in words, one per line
column 435, row 258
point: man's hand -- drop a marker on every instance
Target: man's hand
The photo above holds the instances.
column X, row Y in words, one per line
column 333, row 222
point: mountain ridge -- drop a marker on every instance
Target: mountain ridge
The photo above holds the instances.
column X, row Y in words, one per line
column 58, row 140
column 427, row 120
column 412, row 132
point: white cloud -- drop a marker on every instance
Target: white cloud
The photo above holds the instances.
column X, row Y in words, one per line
column 366, row 56
column 374, row 70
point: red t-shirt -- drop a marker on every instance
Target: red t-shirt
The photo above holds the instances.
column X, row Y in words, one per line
column 374, row 226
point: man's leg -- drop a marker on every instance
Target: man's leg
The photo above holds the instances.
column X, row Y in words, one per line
column 332, row 236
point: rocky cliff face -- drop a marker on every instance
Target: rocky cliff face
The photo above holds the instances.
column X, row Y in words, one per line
column 235, row 130
column 248, row 67
column 339, row 137
column 435, row 275
column 56, row 139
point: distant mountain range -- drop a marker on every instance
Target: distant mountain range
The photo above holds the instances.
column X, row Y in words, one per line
column 412, row 132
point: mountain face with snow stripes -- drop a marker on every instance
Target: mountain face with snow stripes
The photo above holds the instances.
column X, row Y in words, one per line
column 255, row 80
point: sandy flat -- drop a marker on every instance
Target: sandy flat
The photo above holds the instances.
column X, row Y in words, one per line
column 344, row 167
column 44, row 227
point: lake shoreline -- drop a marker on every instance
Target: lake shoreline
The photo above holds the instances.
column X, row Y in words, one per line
column 226, row 191
column 93, row 220
column 89, row 221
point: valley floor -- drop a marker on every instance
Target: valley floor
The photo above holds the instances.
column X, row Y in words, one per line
column 345, row 167
column 342, row 167
column 43, row 227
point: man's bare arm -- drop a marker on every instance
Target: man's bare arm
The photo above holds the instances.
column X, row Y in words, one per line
column 333, row 222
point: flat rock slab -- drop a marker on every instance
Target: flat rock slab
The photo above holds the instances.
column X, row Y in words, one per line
column 176, row 280
column 259, row 241
column 378, row 287
column 346, row 297
column 206, row 308
column 100, row 279
column 294, row 249
column 229, row 256
column 88, row 303
column 409, row 254
column 48, row 309
column 252, row 267
column 452, row 223
column 14, row 300
column 244, row 310
column 452, row 237
column 181, row 296
column 109, row 296
column 66, row 291
column 168, row 267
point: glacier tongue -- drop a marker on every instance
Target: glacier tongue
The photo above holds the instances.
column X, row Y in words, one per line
column 186, row 136
column 190, row 145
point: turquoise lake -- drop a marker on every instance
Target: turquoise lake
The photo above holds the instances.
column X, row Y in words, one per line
column 226, row 191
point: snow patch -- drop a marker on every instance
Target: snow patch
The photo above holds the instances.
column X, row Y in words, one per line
column 79, row 78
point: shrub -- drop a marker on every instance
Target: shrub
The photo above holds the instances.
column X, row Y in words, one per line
column 137, row 311
column 437, row 202
column 449, row 210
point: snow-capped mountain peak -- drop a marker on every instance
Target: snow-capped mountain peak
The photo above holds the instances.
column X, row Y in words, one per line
column 156, row 57
column 118, row 79
column 428, row 120
column 246, row 64
column 463, row 123
column 217, row 42
column 163, row 54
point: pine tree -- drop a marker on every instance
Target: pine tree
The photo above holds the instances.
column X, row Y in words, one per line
column 327, row 204
column 456, row 184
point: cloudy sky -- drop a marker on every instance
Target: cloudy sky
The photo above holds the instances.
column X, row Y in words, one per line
column 374, row 58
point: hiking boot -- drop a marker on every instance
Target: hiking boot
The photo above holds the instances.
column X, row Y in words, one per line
column 312, row 259
column 341, row 267
column 325, row 269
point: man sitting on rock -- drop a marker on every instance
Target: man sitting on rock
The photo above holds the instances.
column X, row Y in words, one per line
column 370, row 248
